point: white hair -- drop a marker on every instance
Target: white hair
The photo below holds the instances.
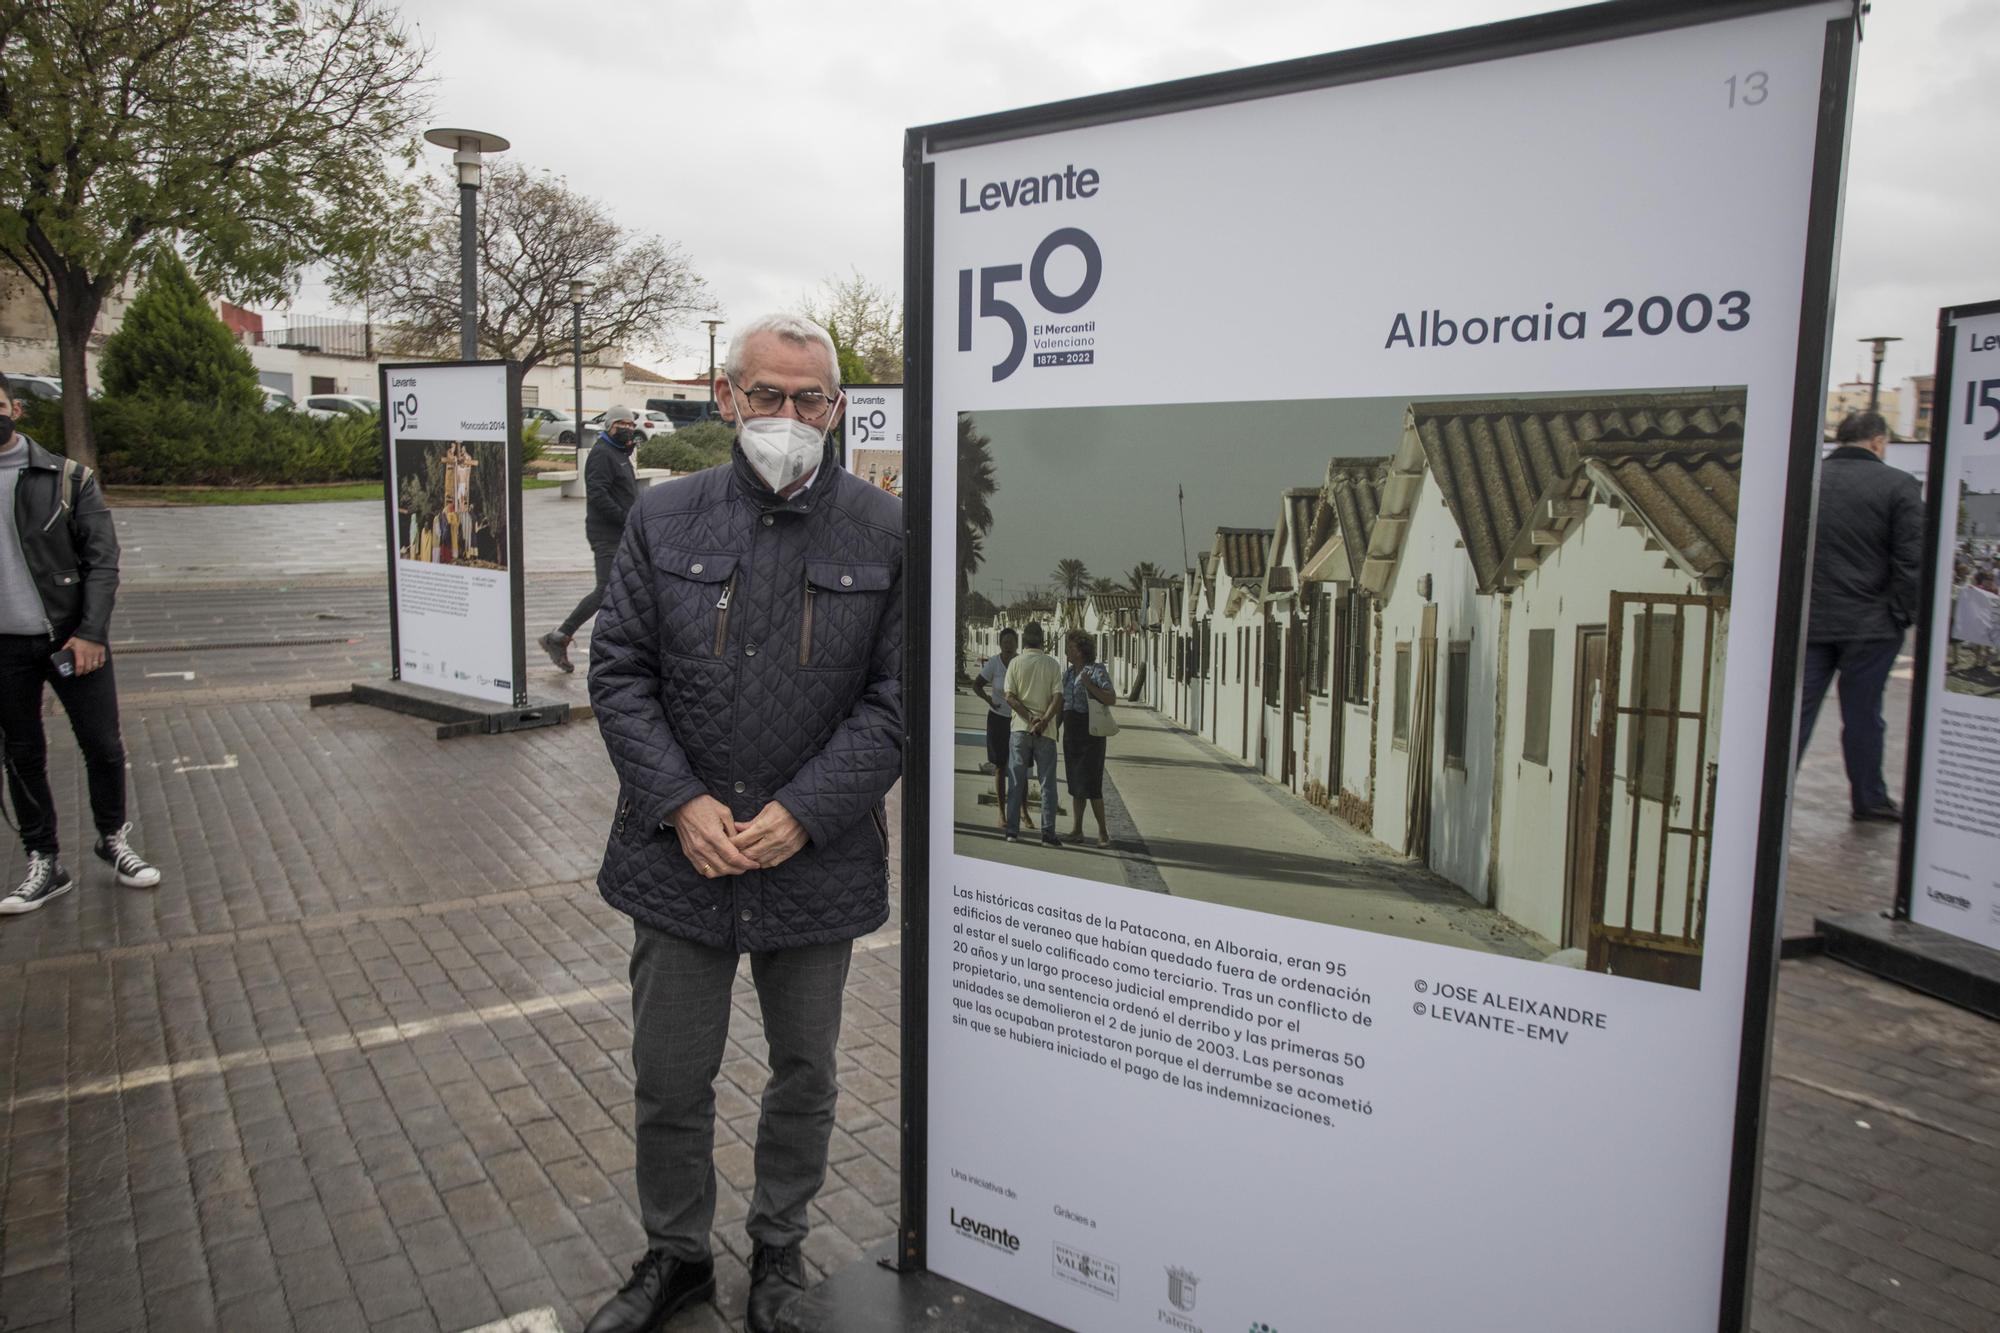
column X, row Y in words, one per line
column 793, row 329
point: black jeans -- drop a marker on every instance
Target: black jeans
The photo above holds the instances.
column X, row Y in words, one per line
column 680, row 1030
column 92, row 704
column 585, row 609
column 1863, row 666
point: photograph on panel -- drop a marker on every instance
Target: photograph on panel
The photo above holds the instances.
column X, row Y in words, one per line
column 1972, row 664
column 1445, row 669
column 451, row 502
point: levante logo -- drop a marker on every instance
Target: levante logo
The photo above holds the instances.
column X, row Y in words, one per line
column 986, row 1234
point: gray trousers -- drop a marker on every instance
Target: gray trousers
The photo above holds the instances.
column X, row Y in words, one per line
column 680, row 1025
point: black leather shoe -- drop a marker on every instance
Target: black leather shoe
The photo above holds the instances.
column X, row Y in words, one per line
column 777, row 1278
column 1886, row 813
column 660, row 1288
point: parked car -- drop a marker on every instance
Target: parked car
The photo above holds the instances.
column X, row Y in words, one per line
column 683, row 411
column 327, row 406
column 553, row 426
column 36, row 386
column 276, row 400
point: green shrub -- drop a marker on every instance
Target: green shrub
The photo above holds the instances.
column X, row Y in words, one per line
column 689, row 449
column 145, row 441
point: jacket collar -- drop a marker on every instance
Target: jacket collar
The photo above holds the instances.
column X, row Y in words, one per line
column 38, row 456
column 1854, row 451
column 752, row 486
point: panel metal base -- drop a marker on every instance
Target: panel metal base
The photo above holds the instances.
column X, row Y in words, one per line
column 871, row 1297
column 1954, row 970
column 455, row 714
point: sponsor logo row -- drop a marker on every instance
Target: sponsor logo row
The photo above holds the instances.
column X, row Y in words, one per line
column 1094, row 1273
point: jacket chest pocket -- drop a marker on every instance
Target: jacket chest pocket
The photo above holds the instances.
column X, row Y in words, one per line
column 693, row 594
column 843, row 606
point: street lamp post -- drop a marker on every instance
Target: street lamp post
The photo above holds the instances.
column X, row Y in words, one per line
column 712, row 325
column 577, row 293
column 467, row 146
column 1875, row 385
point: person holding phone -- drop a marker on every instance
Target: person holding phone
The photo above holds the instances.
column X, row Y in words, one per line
column 58, row 579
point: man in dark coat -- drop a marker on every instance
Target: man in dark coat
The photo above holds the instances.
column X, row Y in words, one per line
column 1866, row 561
column 609, row 487
column 747, row 676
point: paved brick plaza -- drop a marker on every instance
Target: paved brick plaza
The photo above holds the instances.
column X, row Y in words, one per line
column 362, row 1062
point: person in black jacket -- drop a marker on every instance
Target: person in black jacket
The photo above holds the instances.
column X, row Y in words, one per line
column 58, row 579
column 747, row 677
column 609, row 487
column 1866, row 561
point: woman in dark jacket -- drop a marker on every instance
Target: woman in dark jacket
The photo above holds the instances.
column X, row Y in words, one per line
column 1084, row 679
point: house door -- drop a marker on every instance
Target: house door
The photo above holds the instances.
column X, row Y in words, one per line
column 1334, row 629
column 1423, row 731
column 1288, row 699
column 1649, row 897
column 1586, row 760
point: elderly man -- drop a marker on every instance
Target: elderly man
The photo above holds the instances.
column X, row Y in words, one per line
column 746, row 674
column 1867, row 559
column 609, row 487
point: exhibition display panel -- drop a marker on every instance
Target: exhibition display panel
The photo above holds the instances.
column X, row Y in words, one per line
column 1419, row 442
column 1948, row 881
column 452, row 464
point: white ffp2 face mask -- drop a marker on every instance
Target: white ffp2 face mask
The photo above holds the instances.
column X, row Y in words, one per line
column 781, row 449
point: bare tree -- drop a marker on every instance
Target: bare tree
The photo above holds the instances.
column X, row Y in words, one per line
column 536, row 236
column 866, row 319
column 256, row 135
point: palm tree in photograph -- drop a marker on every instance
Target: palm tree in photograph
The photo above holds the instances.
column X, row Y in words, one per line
column 1142, row 572
column 976, row 487
column 1072, row 576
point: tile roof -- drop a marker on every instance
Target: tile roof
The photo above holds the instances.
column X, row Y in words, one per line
column 1510, row 471
column 1352, row 497
column 1243, row 551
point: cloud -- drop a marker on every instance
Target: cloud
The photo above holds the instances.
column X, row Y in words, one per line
column 767, row 135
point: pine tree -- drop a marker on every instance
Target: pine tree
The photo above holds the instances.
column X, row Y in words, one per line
column 172, row 345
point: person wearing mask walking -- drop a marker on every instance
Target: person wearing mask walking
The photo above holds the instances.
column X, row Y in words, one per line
column 610, row 484
column 1866, row 559
column 58, row 579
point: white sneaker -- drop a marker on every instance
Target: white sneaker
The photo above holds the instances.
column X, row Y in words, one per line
column 46, row 879
column 115, row 849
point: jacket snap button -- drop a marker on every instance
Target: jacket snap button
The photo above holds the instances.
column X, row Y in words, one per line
column 749, row 650
column 847, row 580
column 768, row 520
column 740, row 788
column 746, row 914
column 694, row 569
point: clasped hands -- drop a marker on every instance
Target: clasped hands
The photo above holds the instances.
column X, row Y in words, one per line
column 717, row 845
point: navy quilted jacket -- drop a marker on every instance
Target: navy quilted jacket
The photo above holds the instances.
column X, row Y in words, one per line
column 751, row 648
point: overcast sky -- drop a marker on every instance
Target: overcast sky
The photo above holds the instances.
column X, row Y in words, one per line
column 1069, row 489
column 766, row 136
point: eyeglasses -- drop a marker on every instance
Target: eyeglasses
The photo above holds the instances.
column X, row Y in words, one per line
column 811, row 404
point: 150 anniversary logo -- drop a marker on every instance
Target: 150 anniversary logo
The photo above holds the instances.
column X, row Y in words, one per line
column 1056, row 341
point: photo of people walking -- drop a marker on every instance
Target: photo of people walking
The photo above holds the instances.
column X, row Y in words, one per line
column 1449, row 670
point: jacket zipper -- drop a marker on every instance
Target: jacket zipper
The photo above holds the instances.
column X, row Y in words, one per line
column 624, row 810
column 806, row 627
column 722, row 619
column 21, row 545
